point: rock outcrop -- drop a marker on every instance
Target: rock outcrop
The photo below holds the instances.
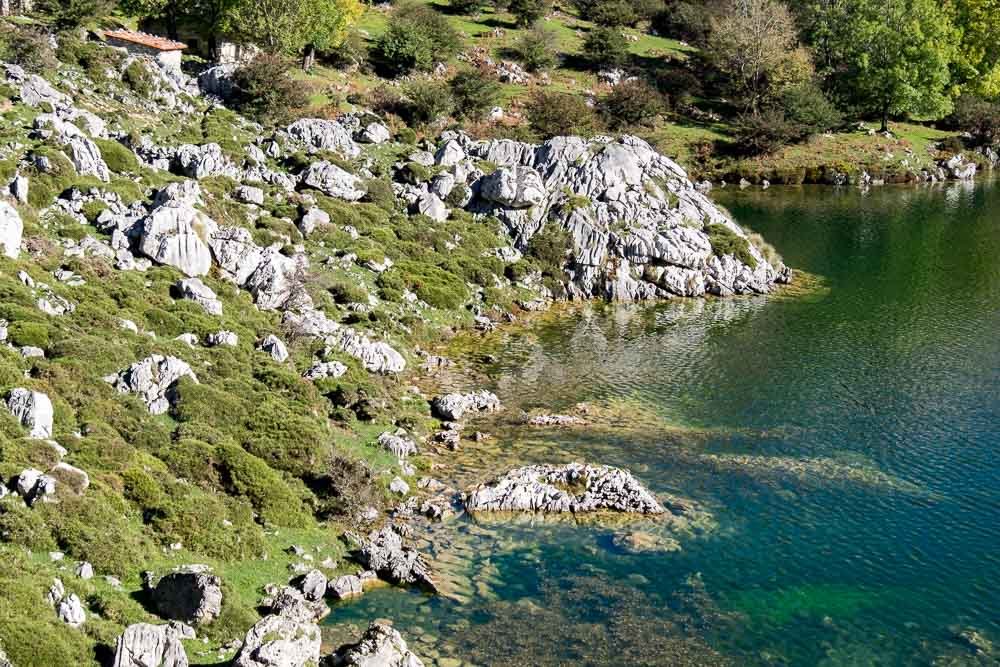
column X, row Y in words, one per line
column 573, row 487
column 331, row 180
column 154, row 379
column 197, row 291
column 177, row 235
column 11, row 229
column 452, row 407
column 148, row 645
column 289, row 639
column 380, row 646
column 191, row 594
column 33, row 409
column 384, row 552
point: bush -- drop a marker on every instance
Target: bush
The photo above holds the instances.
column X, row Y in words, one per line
column 553, row 114
column 344, row 291
column 28, row 48
column 474, row 93
column 632, row 103
column 118, row 158
column 549, row 248
column 727, row 242
column 436, row 286
column 977, row 116
column 34, row 334
column 271, row 497
column 74, row 13
column 614, row 13
column 681, row 84
column 527, row 12
column 428, row 100
column 265, row 90
column 536, row 49
column 807, row 107
column 468, row 7
column 416, row 38
column 765, row 132
column 138, row 78
column 605, row 47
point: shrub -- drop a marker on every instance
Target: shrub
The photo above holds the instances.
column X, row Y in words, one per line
column 416, row 37
column 34, row 334
column 138, row 78
column 526, row 12
column 474, row 93
column 727, row 242
column 118, row 158
column 344, row 291
column 265, row 90
column 681, row 85
column 977, row 116
column 632, row 103
column 428, row 100
column 605, row 47
column 436, row 286
column 553, row 114
column 549, row 249
column 73, row 13
column 271, row 497
column 807, row 107
column 536, row 49
column 765, row 132
column 27, row 47
column 610, row 12
column 468, row 6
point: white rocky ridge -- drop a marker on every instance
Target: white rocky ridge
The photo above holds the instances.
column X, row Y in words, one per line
column 573, row 487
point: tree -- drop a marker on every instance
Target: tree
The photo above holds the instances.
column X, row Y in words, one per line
column 416, row 38
column 264, row 89
column 979, row 55
column 475, row 93
column 527, row 12
column 754, row 44
column 536, row 48
column 73, row 13
column 606, row 47
column 207, row 16
column 294, row 27
column 895, row 56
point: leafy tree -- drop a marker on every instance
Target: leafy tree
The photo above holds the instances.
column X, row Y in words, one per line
column 428, row 100
column 527, row 12
column 468, row 7
column 806, row 106
column 265, row 90
column 977, row 116
column 294, row 27
column 416, row 38
column 632, row 103
column 979, row 55
column 73, row 13
column 893, row 57
column 474, row 92
column 536, row 49
column 553, row 114
column 606, row 47
column 754, row 44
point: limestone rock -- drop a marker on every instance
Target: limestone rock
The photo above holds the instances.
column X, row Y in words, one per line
column 33, row 409
column 191, row 594
column 249, row 195
column 325, row 369
column 222, row 338
column 346, row 586
column 384, row 553
column 517, row 187
column 313, row 218
column 331, row 180
column 452, row 407
column 375, row 133
column 200, row 162
column 148, row 645
column 11, row 229
column 274, row 347
column 399, row 486
column 70, row 611
column 326, row 135
column 450, row 153
column 85, row 571
column 313, row 585
column 380, row 646
column 397, row 445
column 275, row 282
column 573, row 487
column 19, row 189
column 236, row 253
column 35, row 486
column 178, row 235
column 154, row 379
column 280, row 640
column 376, row 357
column 432, row 206
column 197, row 291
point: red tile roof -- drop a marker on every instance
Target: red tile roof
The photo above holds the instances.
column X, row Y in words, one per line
column 145, row 39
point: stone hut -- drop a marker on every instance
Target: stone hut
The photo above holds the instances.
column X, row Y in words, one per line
column 165, row 51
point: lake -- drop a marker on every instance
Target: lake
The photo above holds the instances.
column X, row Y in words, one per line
column 841, row 440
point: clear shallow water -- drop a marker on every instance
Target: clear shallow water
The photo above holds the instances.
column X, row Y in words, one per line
column 845, row 441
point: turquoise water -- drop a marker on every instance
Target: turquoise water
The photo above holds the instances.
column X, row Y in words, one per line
column 844, row 440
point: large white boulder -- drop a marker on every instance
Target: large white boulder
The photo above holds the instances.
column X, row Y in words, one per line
column 516, row 187
column 33, row 409
column 154, row 379
column 194, row 290
column 11, row 229
column 178, row 235
column 148, row 645
column 327, row 135
column 236, row 253
column 331, row 180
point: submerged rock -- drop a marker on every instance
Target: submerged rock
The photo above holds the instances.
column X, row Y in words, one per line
column 380, row 646
column 556, row 420
column 384, row 553
column 573, row 487
column 148, row 645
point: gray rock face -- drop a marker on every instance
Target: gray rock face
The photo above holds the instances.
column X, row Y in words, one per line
column 34, row 486
column 236, row 253
column 432, row 206
column 19, row 189
column 384, row 553
column 397, row 445
column 249, row 195
column 375, row 133
column 324, row 135
column 148, row 645
column 11, row 229
column 380, row 646
column 178, row 235
column 154, row 379
column 325, row 369
column 376, row 357
column 274, row 347
column 33, row 409
column 313, row 218
column 514, row 187
column 291, row 639
column 573, row 487
column 218, row 81
column 331, row 180
column 191, row 594
column 222, row 338
column 34, row 89
column 204, row 161
column 346, row 586
column 289, row 601
column 275, row 282
column 313, row 585
column 631, row 213
column 70, row 611
column 452, row 407
column 197, row 291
